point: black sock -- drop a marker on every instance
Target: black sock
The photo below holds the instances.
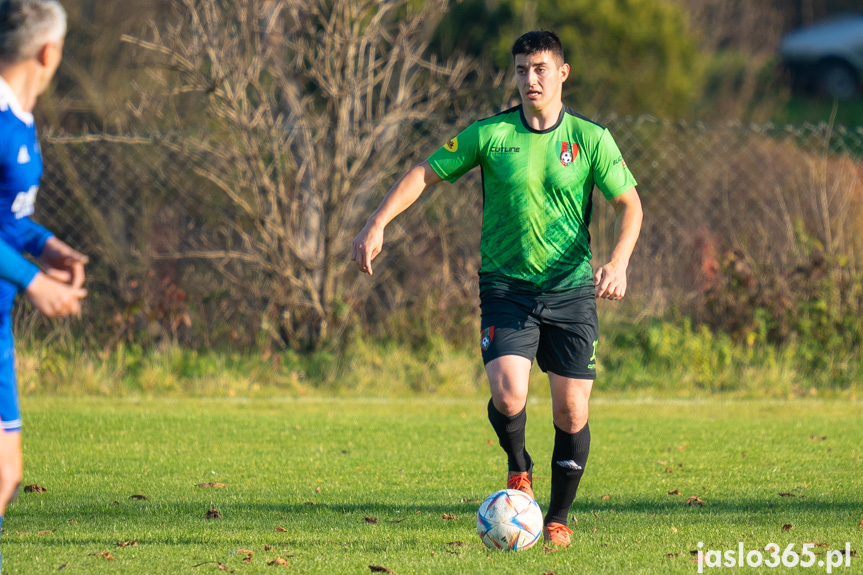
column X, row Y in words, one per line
column 567, row 466
column 510, row 432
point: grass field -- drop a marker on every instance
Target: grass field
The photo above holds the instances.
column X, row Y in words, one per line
column 367, row 482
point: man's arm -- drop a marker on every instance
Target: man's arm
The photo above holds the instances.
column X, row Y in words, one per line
column 610, row 279
column 369, row 243
column 51, row 297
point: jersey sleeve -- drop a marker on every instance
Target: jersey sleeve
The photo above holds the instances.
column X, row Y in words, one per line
column 610, row 172
column 33, row 236
column 458, row 156
column 14, row 268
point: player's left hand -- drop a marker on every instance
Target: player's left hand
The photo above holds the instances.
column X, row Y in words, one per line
column 62, row 263
column 610, row 281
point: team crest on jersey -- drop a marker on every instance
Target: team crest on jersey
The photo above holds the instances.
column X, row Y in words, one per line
column 452, row 145
column 487, row 336
column 23, row 155
column 568, row 153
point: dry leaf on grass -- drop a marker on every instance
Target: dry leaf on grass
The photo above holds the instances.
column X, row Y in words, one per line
column 211, row 484
column 815, row 544
column 139, row 497
column 787, row 527
column 860, row 526
column 694, row 501
column 317, row 489
column 35, row 488
column 213, row 514
column 63, row 566
column 817, row 437
column 281, row 529
column 279, row 561
column 370, row 519
column 669, row 470
column 46, row 531
column 786, row 495
column 448, row 517
column 606, row 496
column 379, row 569
column 127, row 543
column 675, row 492
column 852, row 552
column 549, row 550
column 103, row 555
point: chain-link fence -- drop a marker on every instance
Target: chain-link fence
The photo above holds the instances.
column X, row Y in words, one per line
column 165, row 264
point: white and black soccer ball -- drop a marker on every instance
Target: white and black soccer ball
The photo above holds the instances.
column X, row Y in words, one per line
column 566, row 158
column 509, row 520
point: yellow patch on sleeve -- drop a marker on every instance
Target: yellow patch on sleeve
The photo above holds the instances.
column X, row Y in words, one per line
column 452, row 145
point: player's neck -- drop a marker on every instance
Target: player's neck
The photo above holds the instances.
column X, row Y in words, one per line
column 23, row 83
column 545, row 118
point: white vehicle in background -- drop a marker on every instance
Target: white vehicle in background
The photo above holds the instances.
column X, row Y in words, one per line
column 826, row 57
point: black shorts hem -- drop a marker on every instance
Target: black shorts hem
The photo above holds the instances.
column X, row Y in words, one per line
column 571, row 374
column 486, row 361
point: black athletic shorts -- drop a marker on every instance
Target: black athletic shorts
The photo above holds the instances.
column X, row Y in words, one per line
column 560, row 330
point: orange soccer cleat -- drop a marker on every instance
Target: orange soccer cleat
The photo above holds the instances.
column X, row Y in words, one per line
column 557, row 534
column 521, row 481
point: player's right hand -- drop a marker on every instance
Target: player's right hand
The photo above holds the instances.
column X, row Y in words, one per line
column 367, row 245
column 54, row 298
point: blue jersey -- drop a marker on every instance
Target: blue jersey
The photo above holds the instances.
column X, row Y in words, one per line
column 20, row 172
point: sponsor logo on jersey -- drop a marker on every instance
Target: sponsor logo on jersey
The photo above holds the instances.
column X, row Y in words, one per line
column 504, row 150
column 24, row 202
column 452, row 145
column 619, row 160
column 23, row 155
column 487, row 336
column 568, row 153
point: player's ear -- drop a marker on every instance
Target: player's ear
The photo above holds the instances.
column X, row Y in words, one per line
column 49, row 54
column 564, row 72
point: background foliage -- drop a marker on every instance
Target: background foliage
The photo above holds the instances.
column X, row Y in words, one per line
column 215, row 158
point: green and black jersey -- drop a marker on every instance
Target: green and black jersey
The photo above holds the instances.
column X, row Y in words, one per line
column 537, row 192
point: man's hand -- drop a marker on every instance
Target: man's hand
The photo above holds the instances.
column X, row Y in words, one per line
column 53, row 298
column 62, row 263
column 367, row 245
column 610, row 281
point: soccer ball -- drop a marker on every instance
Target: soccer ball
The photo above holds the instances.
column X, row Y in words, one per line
column 509, row 520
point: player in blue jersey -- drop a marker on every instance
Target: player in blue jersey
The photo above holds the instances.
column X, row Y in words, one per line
column 31, row 47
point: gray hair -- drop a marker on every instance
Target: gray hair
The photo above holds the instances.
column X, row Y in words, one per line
column 27, row 25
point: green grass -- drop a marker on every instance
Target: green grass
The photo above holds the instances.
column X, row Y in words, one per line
column 319, row 466
column 810, row 109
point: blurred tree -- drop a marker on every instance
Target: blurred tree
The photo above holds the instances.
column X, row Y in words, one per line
column 311, row 107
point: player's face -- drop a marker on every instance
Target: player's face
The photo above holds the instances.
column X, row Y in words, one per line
column 540, row 79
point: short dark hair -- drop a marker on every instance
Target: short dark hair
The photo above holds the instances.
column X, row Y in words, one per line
column 26, row 25
column 539, row 41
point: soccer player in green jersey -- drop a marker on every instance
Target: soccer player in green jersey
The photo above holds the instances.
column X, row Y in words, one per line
column 540, row 162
